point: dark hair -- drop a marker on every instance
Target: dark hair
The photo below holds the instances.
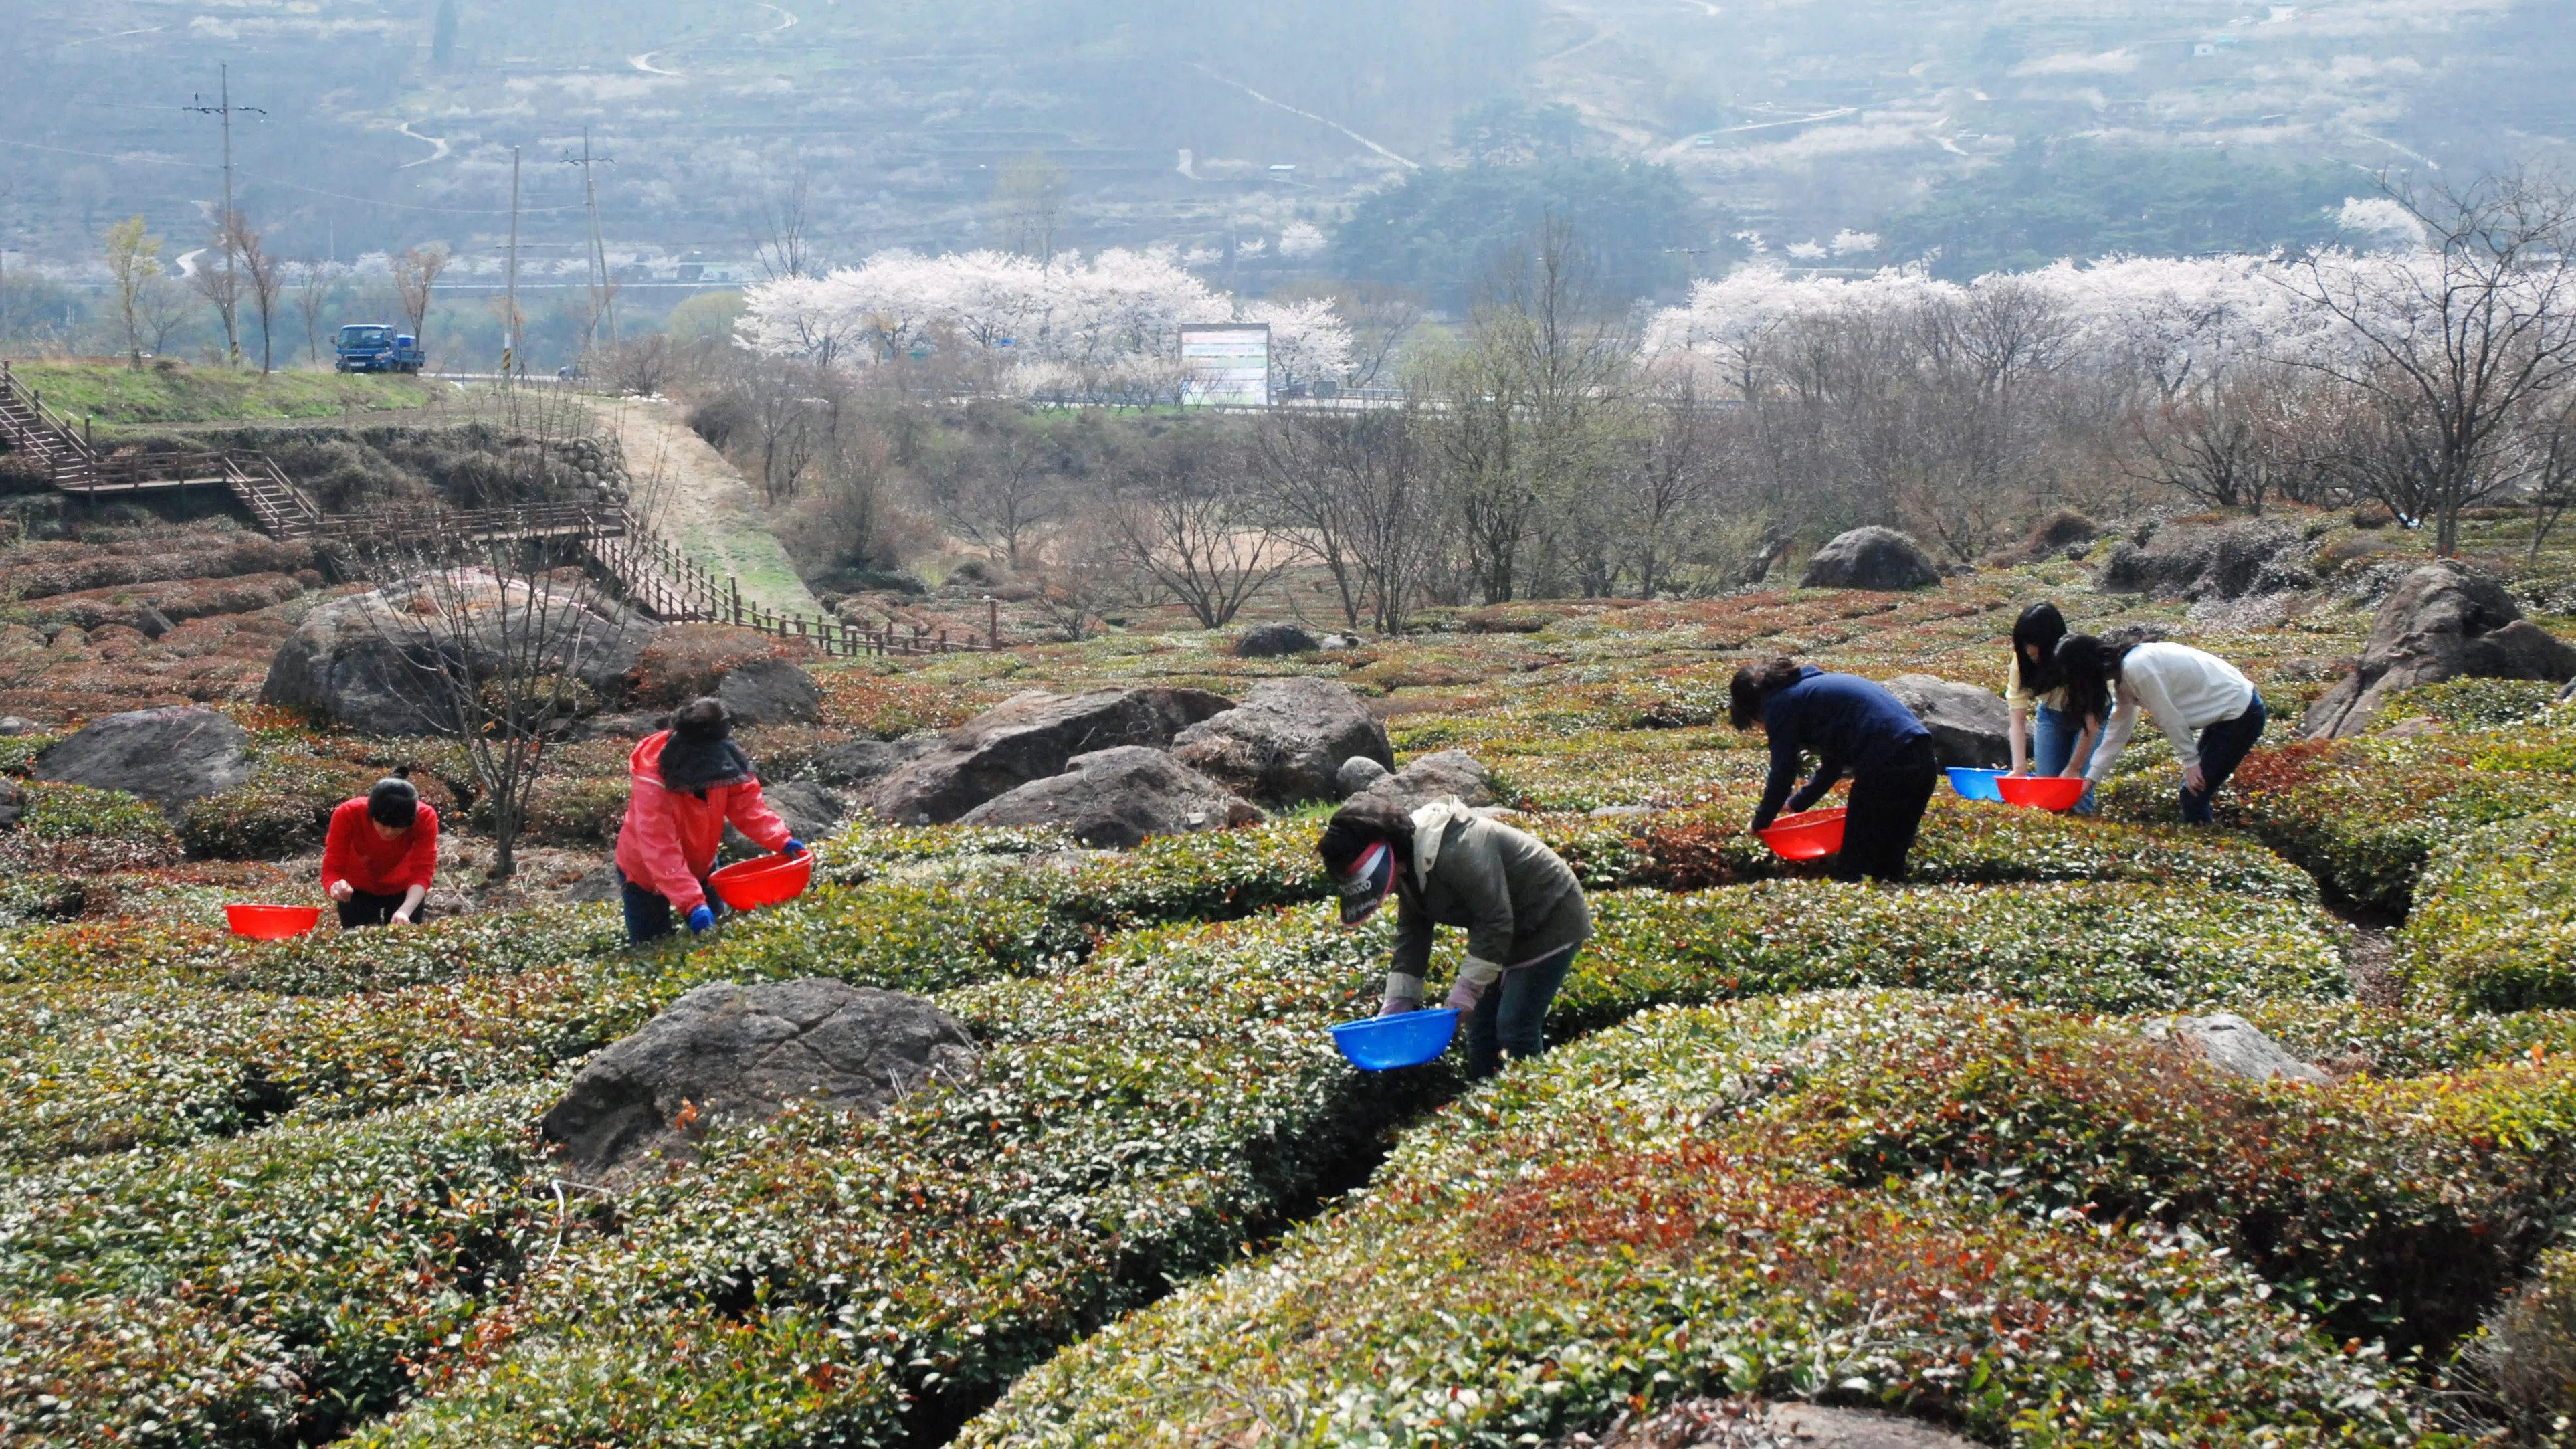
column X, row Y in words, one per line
column 702, row 719
column 394, row 802
column 2039, row 627
column 1360, row 824
column 2087, row 666
column 1753, row 686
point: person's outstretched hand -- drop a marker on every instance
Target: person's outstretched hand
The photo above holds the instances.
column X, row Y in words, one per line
column 1397, row 1006
column 700, row 918
column 1465, row 995
column 793, row 848
column 340, row 891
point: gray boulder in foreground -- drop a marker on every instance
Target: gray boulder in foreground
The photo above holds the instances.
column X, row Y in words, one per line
column 731, row 1053
column 1286, row 742
column 167, row 756
column 1880, row 559
column 2440, row 623
column 1970, row 726
column 770, row 692
column 2236, row 1046
column 1118, row 798
column 1031, row 737
column 1437, row 776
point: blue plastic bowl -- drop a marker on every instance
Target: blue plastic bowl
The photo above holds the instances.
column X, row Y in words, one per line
column 1383, row 1043
column 1976, row 784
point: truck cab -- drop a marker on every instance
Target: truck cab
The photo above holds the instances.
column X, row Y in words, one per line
column 376, row 347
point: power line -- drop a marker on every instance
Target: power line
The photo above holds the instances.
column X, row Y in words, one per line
column 131, row 160
column 603, row 286
column 227, row 230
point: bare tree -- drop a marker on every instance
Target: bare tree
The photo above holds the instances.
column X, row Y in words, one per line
column 1085, row 572
column 221, row 284
column 1356, row 492
column 2449, row 347
column 317, row 289
column 1006, row 482
column 497, row 648
column 265, row 276
column 416, row 272
column 133, row 257
column 778, row 224
column 1670, row 481
column 1189, row 520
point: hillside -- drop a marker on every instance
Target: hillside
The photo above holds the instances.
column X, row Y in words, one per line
column 1924, row 1136
column 385, row 125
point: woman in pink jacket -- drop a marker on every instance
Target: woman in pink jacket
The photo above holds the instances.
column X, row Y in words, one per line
column 688, row 781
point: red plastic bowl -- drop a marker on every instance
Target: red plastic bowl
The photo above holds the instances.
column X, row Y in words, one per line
column 2041, row 792
column 271, row 923
column 751, row 884
column 1811, row 836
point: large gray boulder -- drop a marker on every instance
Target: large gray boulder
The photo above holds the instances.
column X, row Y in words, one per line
column 1437, row 776
column 811, row 812
column 1118, row 797
column 1031, row 737
column 1274, row 641
column 1971, row 727
column 380, row 662
column 863, row 762
column 770, row 692
column 1881, row 559
column 2236, row 1046
column 1285, row 742
column 167, row 756
column 2440, row 623
column 2200, row 562
column 730, row 1053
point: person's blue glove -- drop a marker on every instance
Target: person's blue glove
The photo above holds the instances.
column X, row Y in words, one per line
column 793, row 848
column 700, row 919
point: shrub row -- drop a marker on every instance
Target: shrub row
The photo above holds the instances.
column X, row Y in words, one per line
column 2106, row 946
column 1994, row 1218
column 2494, row 925
column 2361, row 815
column 1140, row 1114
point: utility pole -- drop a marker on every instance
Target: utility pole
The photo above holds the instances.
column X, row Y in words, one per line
column 224, row 225
column 510, row 323
column 603, row 297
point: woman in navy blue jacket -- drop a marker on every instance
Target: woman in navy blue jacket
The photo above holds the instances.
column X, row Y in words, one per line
column 1856, row 728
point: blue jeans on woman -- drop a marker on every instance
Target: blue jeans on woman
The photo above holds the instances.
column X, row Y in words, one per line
column 2223, row 746
column 1512, row 1015
column 2053, row 734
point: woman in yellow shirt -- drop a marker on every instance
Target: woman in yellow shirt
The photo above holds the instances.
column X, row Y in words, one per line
column 2044, row 730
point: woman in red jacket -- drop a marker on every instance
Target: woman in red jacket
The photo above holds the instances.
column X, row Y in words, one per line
column 687, row 782
column 380, row 855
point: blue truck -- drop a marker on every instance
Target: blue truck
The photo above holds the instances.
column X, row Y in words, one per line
column 375, row 347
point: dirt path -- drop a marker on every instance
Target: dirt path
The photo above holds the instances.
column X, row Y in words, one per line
column 702, row 505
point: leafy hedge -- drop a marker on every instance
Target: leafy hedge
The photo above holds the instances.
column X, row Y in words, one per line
column 2108, row 946
column 73, row 828
column 2469, row 704
column 1990, row 1217
column 264, row 1291
column 2494, row 926
column 2362, row 815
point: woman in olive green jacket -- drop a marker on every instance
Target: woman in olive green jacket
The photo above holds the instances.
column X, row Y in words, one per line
column 1521, row 905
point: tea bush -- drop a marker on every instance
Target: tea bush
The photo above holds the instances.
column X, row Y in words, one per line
column 2469, row 704
column 1676, row 1207
column 2494, row 926
column 2083, row 946
column 263, row 1291
column 2361, row 815
column 77, row 829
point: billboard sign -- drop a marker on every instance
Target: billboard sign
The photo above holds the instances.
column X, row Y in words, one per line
column 1225, row 364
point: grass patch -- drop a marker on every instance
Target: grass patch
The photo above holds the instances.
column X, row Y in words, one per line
column 177, row 393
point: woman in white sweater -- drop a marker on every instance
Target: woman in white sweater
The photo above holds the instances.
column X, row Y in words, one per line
column 2202, row 703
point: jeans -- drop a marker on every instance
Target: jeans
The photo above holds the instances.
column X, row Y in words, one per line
column 648, row 913
column 2053, row 734
column 366, row 908
column 1512, row 1015
column 2223, row 746
column 1884, row 811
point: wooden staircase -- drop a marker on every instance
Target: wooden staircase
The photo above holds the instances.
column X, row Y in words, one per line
column 656, row 578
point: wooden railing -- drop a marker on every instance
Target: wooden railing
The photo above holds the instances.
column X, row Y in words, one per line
column 656, row 577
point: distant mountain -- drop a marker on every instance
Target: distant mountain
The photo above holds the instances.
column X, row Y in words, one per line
column 1211, row 128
